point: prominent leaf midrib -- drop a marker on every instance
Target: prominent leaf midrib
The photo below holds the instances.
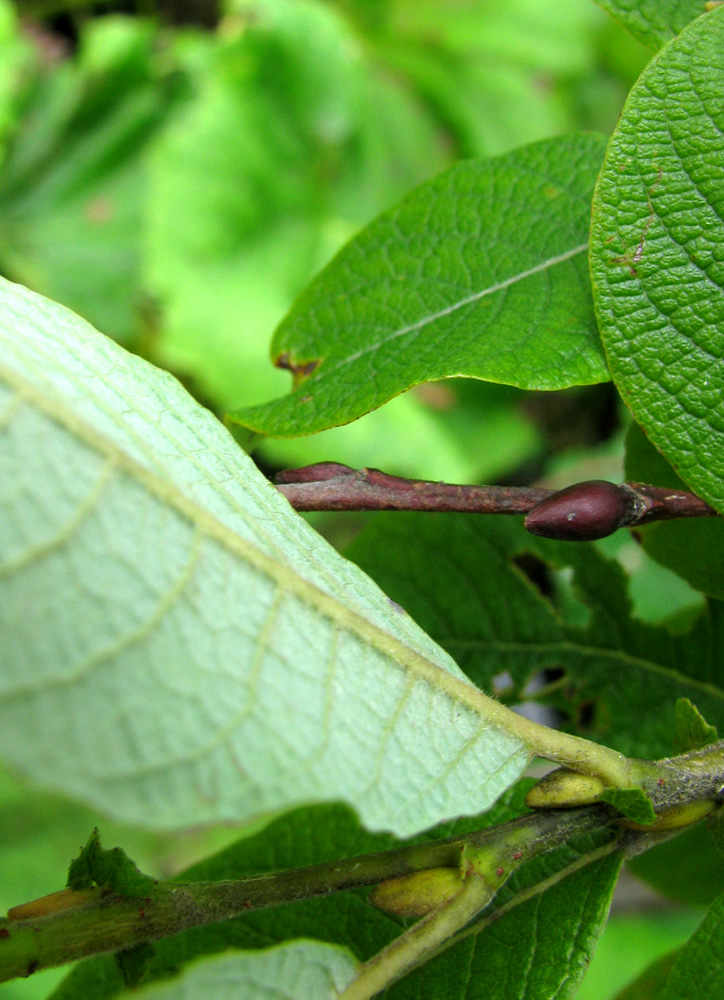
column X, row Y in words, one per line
column 458, row 690
column 455, row 306
column 587, row 652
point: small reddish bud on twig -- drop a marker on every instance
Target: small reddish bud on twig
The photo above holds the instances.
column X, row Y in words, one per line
column 583, row 512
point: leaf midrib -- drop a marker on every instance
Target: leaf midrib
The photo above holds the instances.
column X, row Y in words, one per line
column 448, row 310
column 416, row 663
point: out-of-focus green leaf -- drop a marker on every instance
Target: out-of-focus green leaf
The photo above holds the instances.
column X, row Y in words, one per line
column 291, row 141
column 693, row 548
column 451, row 282
column 630, row 942
column 715, row 827
column 649, row 984
column 72, row 182
column 470, row 60
column 654, row 22
column 174, row 634
column 657, row 245
column 15, row 62
column 687, row 869
column 698, row 972
column 482, row 587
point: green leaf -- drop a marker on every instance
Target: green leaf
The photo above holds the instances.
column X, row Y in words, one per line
column 693, row 548
column 457, row 431
column 490, row 56
column 654, row 22
column 649, row 984
column 630, row 942
column 634, row 803
column 287, row 972
column 16, row 61
column 109, row 869
column 691, row 730
column 179, row 647
column 480, row 272
column 509, row 606
column 656, row 254
column 133, row 963
column 698, row 972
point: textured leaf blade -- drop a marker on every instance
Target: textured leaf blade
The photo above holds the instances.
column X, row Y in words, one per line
column 657, row 240
column 480, row 272
column 654, row 22
column 178, row 646
column 620, row 678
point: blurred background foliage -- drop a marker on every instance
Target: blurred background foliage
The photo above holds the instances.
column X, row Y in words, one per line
column 176, row 171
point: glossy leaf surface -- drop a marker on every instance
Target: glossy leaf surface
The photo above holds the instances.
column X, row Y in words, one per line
column 657, row 254
column 180, row 647
column 480, row 272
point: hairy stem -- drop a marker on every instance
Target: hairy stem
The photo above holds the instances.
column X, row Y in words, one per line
column 66, row 926
column 69, row 925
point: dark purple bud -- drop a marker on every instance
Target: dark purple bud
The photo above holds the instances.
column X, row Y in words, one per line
column 582, row 512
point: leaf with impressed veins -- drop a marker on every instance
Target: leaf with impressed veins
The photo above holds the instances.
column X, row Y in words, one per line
column 479, row 272
column 179, row 647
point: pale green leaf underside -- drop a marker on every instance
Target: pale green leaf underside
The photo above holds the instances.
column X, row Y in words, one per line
column 657, row 254
column 303, row 969
column 480, row 272
column 654, row 22
column 179, row 646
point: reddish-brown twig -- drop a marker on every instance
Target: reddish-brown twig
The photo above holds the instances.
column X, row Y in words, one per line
column 580, row 512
